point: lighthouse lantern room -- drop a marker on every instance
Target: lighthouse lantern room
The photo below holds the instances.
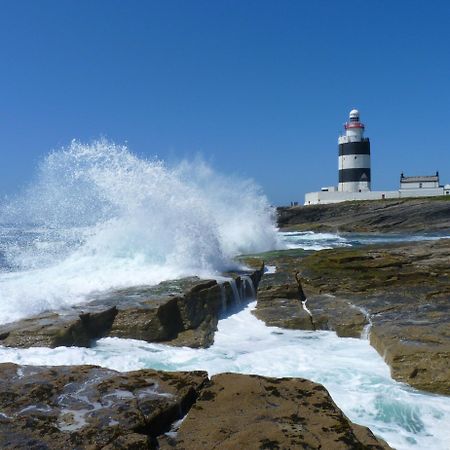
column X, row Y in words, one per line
column 354, row 157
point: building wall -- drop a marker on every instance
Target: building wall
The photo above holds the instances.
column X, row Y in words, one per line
column 418, row 185
column 421, row 192
column 314, row 198
column 354, row 161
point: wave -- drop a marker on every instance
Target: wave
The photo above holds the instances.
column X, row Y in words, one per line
column 98, row 217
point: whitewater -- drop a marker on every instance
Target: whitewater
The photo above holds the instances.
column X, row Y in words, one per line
column 97, row 218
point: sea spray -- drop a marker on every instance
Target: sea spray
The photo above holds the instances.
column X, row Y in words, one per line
column 98, row 217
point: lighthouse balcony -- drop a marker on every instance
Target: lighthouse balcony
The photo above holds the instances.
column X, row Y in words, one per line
column 353, row 125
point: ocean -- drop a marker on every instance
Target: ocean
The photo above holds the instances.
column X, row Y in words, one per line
column 97, row 218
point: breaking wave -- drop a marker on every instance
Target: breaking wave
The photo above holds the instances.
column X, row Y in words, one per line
column 98, row 217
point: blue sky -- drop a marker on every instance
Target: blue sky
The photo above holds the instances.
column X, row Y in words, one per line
column 258, row 88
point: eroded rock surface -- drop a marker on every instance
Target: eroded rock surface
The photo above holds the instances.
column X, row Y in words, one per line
column 183, row 312
column 403, row 290
column 86, row 407
column 252, row 412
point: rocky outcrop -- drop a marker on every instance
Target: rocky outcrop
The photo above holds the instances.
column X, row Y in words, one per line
column 431, row 214
column 400, row 291
column 253, row 412
column 183, row 312
column 87, row 407
column 71, row 328
column 280, row 306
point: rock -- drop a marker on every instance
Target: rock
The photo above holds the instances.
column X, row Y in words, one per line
column 418, row 214
column 403, row 288
column 279, row 306
column 246, row 411
column 53, row 329
column 194, row 314
column 415, row 341
column 87, row 407
column 183, row 312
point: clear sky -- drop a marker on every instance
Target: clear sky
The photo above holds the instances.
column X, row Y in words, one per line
column 258, row 88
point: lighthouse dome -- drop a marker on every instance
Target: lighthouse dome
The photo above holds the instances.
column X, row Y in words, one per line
column 354, row 114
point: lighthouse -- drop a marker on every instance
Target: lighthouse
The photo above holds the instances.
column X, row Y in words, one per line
column 354, row 173
column 354, row 156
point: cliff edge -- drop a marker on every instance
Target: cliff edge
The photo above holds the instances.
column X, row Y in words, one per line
column 406, row 215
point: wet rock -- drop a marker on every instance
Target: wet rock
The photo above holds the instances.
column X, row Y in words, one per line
column 76, row 328
column 182, row 312
column 245, row 411
column 280, row 306
column 194, row 314
column 431, row 214
column 415, row 341
column 87, row 407
column 403, row 289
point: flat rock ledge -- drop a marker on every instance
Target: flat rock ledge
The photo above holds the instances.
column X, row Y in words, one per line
column 181, row 313
column 88, row 407
column 396, row 295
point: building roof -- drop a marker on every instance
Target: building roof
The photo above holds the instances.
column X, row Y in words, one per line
column 419, row 179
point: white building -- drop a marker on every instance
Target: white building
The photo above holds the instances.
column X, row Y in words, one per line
column 355, row 173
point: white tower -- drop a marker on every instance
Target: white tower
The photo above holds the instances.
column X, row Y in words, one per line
column 354, row 156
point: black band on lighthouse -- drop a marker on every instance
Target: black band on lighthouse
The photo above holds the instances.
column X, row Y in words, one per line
column 354, row 175
column 355, row 148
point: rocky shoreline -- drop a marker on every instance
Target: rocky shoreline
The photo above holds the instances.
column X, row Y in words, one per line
column 382, row 216
column 181, row 312
column 88, row 407
column 397, row 294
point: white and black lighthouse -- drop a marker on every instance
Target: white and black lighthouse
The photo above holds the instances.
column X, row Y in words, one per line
column 354, row 157
column 354, row 173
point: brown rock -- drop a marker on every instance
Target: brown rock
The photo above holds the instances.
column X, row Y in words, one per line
column 252, row 412
column 73, row 328
column 86, row 407
column 403, row 288
column 279, row 305
column 181, row 312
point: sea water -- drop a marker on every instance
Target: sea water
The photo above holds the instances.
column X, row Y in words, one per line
column 352, row 371
column 309, row 240
column 98, row 217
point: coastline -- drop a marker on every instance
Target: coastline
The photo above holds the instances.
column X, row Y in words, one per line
column 329, row 308
column 425, row 215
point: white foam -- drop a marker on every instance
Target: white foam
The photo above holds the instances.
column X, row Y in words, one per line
column 308, row 240
column 103, row 218
column 270, row 269
column 352, row 371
